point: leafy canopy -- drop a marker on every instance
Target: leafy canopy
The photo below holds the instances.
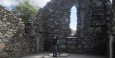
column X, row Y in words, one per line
column 25, row 10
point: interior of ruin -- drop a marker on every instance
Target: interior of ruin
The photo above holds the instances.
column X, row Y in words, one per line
column 94, row 34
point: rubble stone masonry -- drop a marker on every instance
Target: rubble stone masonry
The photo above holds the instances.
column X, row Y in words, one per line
column 92, row 35
column 13, row 43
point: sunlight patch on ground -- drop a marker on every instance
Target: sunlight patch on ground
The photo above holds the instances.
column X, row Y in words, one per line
column 61, row 54
column 40, row 56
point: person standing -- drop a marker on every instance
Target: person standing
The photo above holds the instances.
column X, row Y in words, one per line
column 54, row 46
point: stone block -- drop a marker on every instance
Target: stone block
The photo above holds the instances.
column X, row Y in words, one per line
column 5, row 25
column 62, row 46
column 4, row 19
column 2, row 45
column 2, row 37
column 1, row 34
column 3, row 54
column 9, row 32
column 4, row 28
column 7, row 35
column 8, row 23
column 6, row 39
column 0, row 22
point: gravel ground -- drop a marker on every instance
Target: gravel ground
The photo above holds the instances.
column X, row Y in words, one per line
column 63, row 55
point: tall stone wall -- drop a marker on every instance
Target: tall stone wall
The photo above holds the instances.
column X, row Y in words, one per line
column 13, row 42
column 92, row 25
column 53, row 20
column 111, row 43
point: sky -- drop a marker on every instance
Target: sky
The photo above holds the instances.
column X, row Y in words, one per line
column 73, row 18
column 41, row 3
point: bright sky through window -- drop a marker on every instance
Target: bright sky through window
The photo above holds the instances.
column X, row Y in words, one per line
column 111, row 1
column 73, row 18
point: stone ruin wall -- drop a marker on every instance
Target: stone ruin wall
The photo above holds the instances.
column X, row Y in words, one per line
column 53, row 20
column 13, row 42
column 92, row 23
column 112, row 32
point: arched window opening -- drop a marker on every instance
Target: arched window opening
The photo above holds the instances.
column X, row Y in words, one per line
column 73, row 20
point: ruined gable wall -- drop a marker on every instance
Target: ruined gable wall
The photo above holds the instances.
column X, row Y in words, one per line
column 92, row 24
column 13, row 43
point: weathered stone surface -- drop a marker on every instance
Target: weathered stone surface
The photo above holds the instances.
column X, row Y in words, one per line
column 54, row 19
column 13, row 43
column 3, row 54
column 111, row 42
column 92, row 25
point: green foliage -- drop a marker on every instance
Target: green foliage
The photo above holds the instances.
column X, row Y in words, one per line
column 24, row 10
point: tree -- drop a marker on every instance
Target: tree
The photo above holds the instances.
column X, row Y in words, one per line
column 24, row 10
